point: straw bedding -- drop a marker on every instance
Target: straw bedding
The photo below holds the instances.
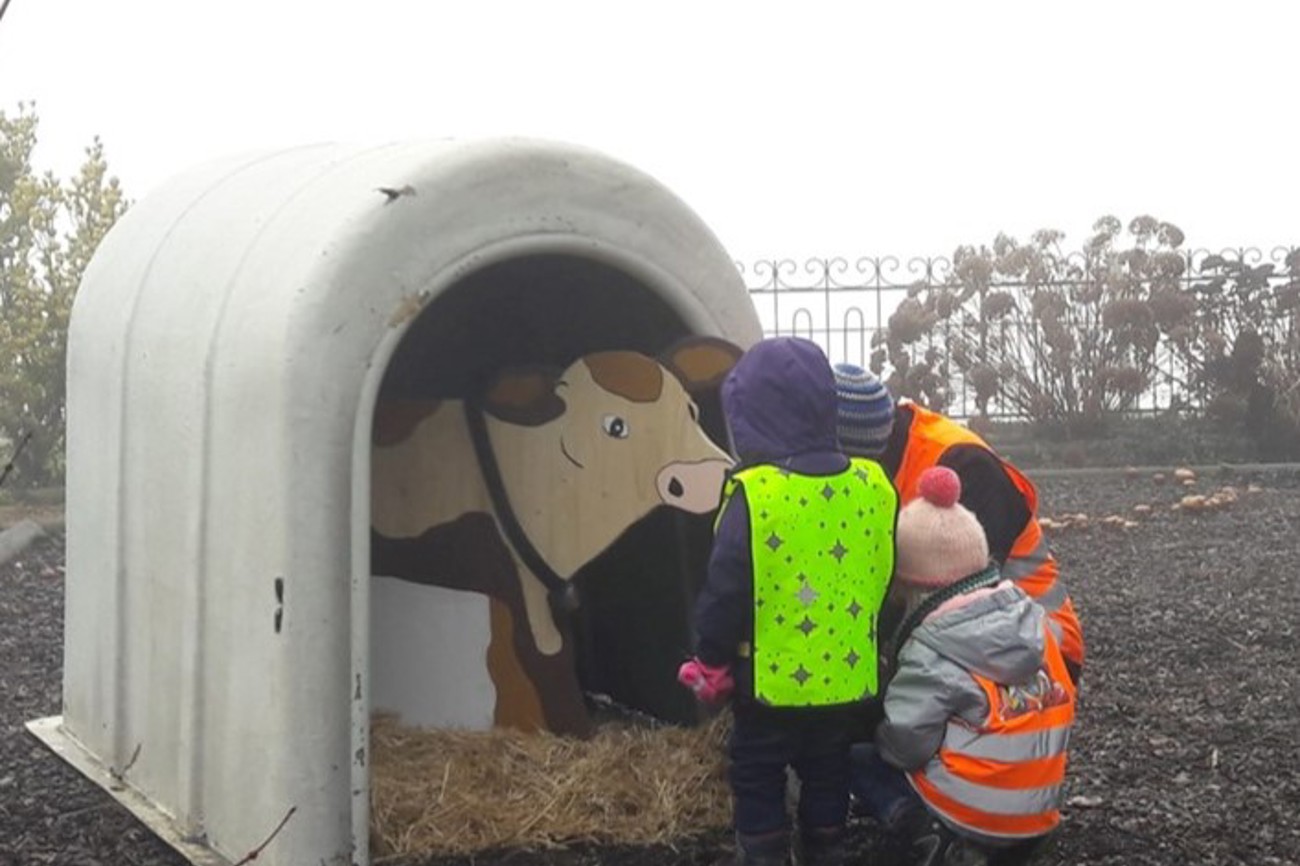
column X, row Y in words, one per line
column 455, row 792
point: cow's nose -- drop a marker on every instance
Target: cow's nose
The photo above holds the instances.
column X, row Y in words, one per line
column 694, row 487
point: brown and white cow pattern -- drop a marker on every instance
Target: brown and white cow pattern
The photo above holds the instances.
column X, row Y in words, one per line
column 463, row 635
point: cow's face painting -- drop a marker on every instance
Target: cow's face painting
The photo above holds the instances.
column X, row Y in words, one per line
column 609, row 438
column 630, row 422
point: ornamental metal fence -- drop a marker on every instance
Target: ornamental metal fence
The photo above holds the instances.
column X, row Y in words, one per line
column 842, row 304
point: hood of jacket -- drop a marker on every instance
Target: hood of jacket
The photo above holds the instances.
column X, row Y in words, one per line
column 998, row 634
column 779, row 401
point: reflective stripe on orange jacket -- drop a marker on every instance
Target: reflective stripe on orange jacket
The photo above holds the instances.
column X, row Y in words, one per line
column 1004, row 779
column 1030, row 563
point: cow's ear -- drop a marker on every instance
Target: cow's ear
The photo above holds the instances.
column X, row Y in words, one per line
column 701, row 362
column 525, row 395
column 396, row 419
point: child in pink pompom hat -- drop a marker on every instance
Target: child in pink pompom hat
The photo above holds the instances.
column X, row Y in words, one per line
column 939, row 541
column 972, row 750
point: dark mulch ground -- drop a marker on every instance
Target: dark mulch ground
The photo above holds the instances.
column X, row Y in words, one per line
column 1187, row 750
column 49, row 813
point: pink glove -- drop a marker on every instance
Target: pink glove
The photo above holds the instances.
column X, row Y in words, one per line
column 711, row 685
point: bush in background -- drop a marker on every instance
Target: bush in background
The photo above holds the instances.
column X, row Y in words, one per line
column 1074, row 341
column 48, row 231
column 1240, row 334
column 1065, row 340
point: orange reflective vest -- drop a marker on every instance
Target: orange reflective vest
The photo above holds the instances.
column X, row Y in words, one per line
column 1004, row 778
column 1030, row 563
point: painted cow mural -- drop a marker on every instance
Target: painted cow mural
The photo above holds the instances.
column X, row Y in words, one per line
column 483, row 510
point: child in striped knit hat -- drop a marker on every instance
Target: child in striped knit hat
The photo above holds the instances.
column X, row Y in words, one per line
column 969, row 761
column 866, row 411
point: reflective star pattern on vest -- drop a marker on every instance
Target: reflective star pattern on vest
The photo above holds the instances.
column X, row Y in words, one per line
column 822, row 560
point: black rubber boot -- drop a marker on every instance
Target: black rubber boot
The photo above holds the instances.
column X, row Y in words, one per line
column 822, row 846
column 939, row 846
column 767, row 849
column 901, row 828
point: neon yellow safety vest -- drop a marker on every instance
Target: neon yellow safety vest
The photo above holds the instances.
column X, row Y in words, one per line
column 823, row 553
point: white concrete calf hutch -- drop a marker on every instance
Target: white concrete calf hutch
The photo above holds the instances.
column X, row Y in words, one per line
column 269, row 359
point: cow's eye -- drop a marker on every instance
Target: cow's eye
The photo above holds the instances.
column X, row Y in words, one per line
column 614, row 426
column 694, row 410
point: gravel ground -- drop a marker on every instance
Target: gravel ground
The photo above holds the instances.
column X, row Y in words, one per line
column 1187, row 749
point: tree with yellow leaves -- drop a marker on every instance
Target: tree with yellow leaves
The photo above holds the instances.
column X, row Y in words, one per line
column 49, row 229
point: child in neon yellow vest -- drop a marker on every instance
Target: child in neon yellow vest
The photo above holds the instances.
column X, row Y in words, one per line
column 802, row 557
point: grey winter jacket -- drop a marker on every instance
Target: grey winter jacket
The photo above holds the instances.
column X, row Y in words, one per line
column 996, row 632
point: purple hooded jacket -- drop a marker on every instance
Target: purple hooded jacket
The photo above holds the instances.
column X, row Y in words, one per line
column 779, row 401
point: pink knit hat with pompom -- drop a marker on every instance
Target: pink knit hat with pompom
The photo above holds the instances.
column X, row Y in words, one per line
column 939, row 540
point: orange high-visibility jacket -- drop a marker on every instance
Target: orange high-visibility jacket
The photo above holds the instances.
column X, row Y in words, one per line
column 1003, row 779
column 1030, row 563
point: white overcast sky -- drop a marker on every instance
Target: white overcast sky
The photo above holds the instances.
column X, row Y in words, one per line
column 797, row 128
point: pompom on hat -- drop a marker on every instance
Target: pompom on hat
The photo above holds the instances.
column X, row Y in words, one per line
column 864, row 410
column 939, row 540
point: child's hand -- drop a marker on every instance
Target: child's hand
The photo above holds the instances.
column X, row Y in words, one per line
column 712, row 685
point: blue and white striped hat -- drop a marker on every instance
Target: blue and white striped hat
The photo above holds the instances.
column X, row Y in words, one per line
column 864, row 411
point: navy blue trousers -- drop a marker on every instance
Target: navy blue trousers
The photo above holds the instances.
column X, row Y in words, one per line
column 880, row 789
column 814, row 743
